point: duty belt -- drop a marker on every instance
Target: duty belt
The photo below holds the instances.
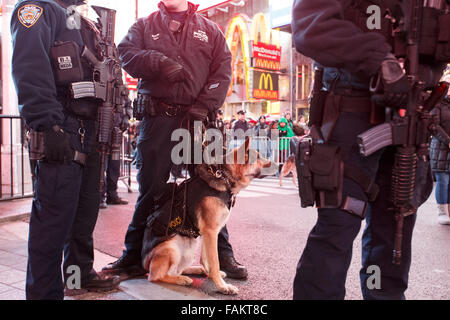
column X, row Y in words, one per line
column 154, row 107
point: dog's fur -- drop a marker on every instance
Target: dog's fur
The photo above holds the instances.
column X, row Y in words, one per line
column 289, row 166
column 171, row 260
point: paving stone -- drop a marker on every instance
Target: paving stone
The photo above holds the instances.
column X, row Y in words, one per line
column 19, row 285
column 11, row 259
column 12, row 276
column 4, row 268
column 13, row 294
column 4, row 288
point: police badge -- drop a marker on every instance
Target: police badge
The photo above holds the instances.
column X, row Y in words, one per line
column 29, row 14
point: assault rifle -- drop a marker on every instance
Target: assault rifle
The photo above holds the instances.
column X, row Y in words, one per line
column 107, row 85
column 409, row 133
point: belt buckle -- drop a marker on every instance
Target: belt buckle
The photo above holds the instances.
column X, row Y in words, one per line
column 171, row 111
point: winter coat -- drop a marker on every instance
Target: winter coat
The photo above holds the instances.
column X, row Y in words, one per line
column 284, row 132
column 439, row 151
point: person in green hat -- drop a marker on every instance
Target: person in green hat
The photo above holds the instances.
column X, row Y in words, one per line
column 285, row 132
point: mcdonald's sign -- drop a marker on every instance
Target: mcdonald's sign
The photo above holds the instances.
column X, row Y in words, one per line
column 265, row 85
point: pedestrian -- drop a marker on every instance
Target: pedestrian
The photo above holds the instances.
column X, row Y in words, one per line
column 66, row 202
column 285, row 134
column 440, row 160
column 110, row 195
column 184, row 65
column 261, row 136
column 289, row 120
column 303, row 124
column 241, row 123
column 335, row 34
column 219, row 123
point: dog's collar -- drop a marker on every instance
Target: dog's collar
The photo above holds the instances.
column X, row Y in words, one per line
column 219, row 172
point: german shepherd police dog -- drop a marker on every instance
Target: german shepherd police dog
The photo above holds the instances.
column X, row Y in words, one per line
column 289, row 166
column 204, row 203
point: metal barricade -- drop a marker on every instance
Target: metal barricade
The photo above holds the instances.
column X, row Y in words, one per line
column 15, row 172
column 126, row 158
column 277, row 150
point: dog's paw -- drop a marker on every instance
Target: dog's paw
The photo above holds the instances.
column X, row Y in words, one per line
column 228, row 289
column 223, row 274
column 184, row 281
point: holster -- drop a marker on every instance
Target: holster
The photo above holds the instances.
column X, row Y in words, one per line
column 145, row 104
column 327, row 168
column 304, row 174
column 37, row 149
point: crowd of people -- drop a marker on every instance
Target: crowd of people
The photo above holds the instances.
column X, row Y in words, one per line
column 288, row 131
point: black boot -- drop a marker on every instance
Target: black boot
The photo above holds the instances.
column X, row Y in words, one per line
column 116, row 200
column 125, row 265
column 100, row 283
column 232, row 268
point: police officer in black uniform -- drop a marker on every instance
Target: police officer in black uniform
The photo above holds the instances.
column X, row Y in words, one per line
column 66, row 201
column 335, row 34
column 184, row 65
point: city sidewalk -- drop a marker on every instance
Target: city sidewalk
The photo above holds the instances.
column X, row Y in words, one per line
column 13, row 262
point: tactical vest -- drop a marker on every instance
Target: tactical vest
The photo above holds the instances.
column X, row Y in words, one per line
column 69, row 67
column 169, row 217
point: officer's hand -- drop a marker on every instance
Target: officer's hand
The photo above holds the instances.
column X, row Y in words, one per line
column 173, row 71
column 392, row 84
column 57, row 145
column 198, row 113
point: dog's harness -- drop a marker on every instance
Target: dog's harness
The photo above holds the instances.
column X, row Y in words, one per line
column 175, row 210
column 219, row 172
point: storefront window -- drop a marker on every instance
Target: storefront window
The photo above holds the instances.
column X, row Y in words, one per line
column 303, row 81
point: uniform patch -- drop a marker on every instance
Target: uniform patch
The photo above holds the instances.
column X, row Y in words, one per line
column 29, row 14
column 65, row 63
column 201, row 35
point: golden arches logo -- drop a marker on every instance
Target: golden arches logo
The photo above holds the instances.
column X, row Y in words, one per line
column 267, row 79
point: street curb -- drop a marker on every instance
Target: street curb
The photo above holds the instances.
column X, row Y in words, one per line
column 14, row 217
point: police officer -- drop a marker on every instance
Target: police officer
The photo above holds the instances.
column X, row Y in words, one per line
column 66, row 201
column 241, row 123
column 335, row 34
column 185, row 68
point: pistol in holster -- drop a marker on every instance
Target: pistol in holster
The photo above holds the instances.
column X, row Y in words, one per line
column 143, row 105
column 37, row 149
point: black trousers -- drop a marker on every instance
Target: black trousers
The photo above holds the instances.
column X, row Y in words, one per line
column 112, row 178
column 322, row 269
column 153, row 160
column 63, row 217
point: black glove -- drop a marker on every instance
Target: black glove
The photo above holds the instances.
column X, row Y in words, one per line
column 212, row 116
column 391, row 86
column 198, row 113
column 173, row 71
column 57, row 145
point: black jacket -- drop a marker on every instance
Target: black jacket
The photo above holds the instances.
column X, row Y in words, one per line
column 202, row 50
column 35, row 27
column 439, row 151
column 238, row 124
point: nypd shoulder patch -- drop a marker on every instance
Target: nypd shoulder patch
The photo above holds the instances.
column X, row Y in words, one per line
column 29, row 14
